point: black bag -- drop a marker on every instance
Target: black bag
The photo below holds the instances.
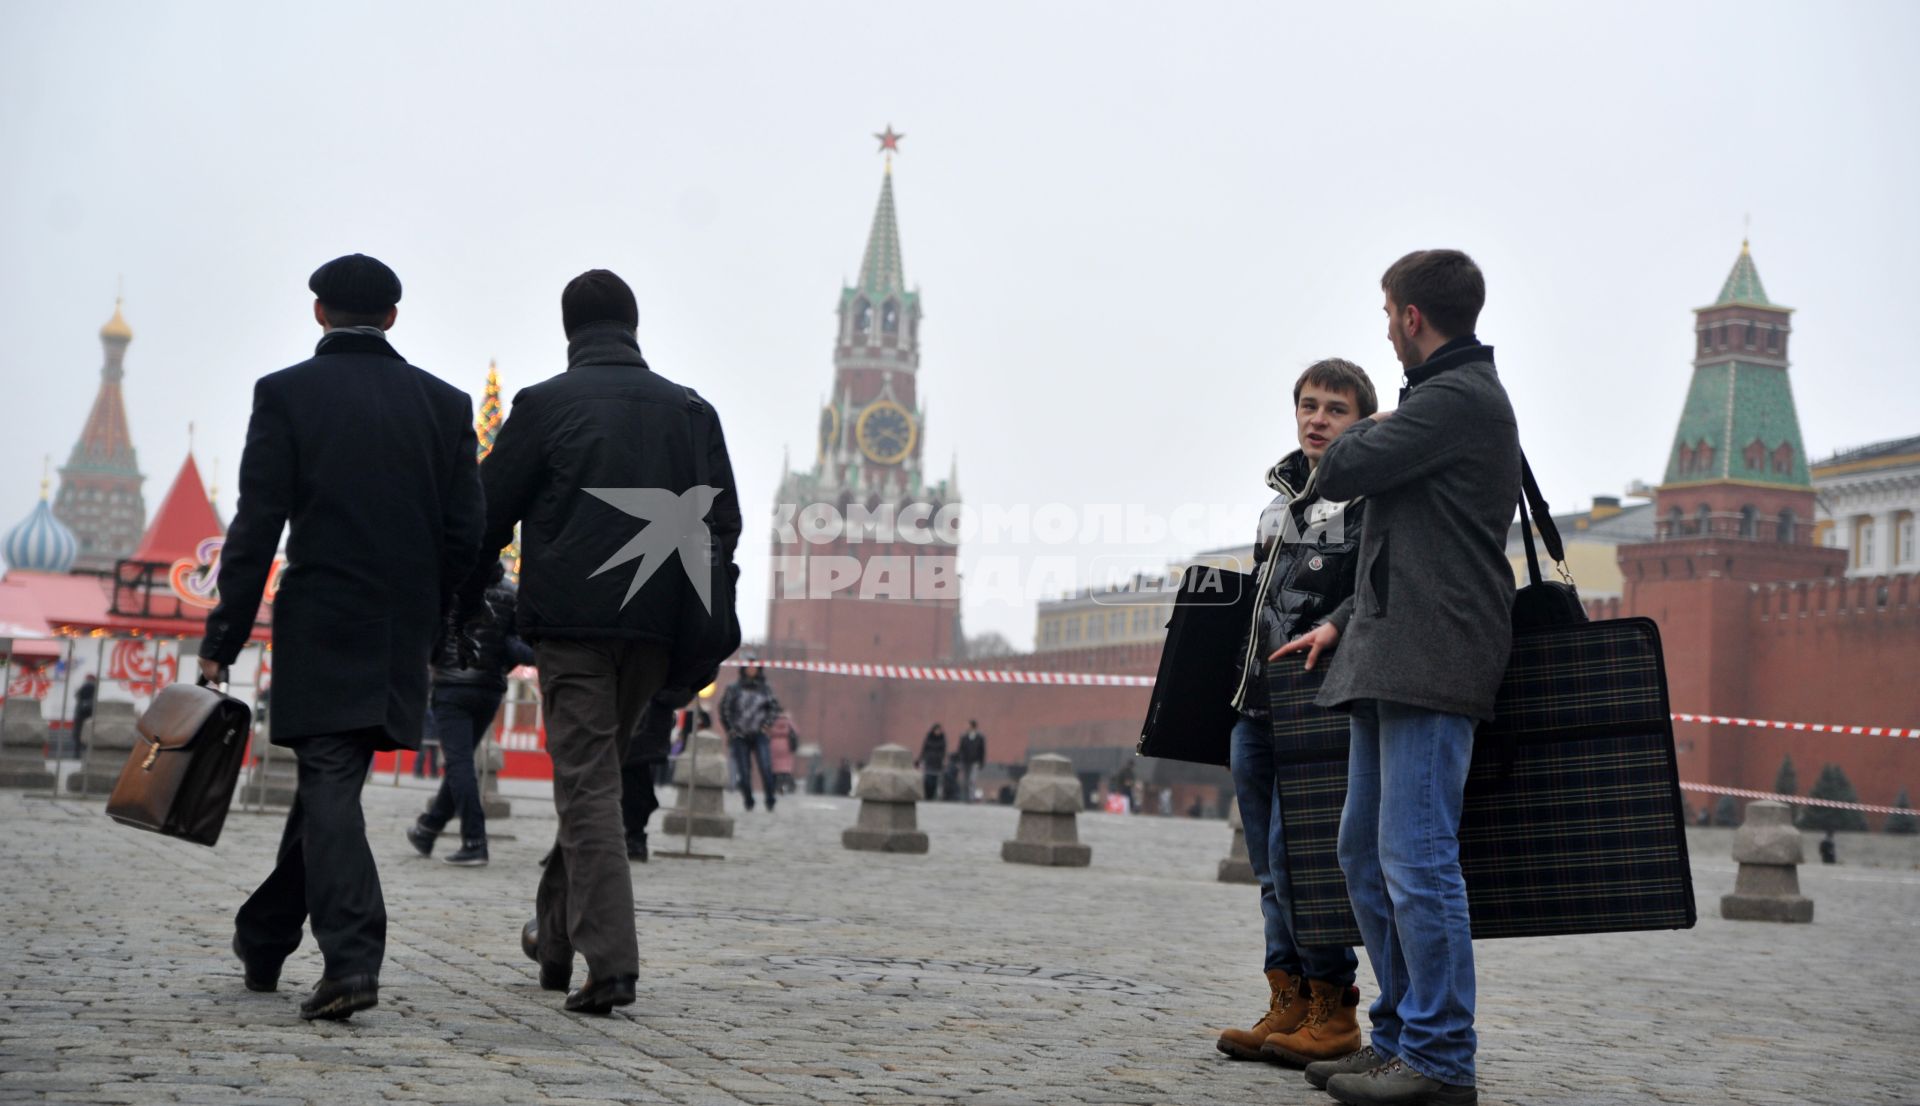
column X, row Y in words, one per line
column 179, row 778
column 1572, row 820
column 1543, row 602
column 1191, row 715
column 707, row 634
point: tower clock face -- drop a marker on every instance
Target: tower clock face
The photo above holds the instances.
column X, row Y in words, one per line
column 886, row 433
column 829, row 431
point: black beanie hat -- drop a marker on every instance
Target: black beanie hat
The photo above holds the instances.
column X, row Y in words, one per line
column 598, row 296
column 355, row 283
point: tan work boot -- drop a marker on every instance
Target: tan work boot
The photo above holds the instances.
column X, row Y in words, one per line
column 1285, row 1009
column 1330, row 1030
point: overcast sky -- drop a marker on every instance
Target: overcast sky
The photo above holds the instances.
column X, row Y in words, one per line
column 1132, row 224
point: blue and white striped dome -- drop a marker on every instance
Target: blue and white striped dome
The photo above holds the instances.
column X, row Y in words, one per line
column 42, row 543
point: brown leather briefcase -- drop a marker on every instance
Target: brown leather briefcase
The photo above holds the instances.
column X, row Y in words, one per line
column 179, row 779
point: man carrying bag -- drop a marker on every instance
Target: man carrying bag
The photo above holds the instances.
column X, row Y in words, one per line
column 1423, row 646
column 369, row 462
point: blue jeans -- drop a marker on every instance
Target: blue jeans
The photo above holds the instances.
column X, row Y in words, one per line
column 745, row 750
column 461, row 715
column 1258, row 791
column 1400, row 850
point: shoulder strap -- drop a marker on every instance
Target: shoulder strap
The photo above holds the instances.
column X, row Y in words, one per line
column 1542, row 517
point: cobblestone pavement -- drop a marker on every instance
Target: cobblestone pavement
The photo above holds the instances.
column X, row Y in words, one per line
column 794, row 971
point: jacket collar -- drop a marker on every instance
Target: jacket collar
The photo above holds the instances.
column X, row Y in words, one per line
column 356, row 339
column 1460, row 351
column 1290, row 474
column 609, row 343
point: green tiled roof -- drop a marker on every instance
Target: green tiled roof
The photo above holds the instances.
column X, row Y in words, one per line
column 1743, row 283
column 1730, row 406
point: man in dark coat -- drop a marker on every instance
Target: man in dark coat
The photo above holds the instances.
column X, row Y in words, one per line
column 1423, row 645
column 618, row 513
column 370, row 463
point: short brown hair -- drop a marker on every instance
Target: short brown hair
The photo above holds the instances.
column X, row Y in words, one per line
column 1338, row 375
column 1445, row 285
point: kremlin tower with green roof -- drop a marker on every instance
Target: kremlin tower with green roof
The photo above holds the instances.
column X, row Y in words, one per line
column 1738, row 467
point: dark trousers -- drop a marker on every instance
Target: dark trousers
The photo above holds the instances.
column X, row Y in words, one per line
column 461, row 715
column 931, row 779
column 746, row 750
column 593, row 691
column 325, row 875
column 638, row 800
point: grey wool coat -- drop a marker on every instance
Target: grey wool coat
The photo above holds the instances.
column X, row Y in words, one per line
column 1429, row 623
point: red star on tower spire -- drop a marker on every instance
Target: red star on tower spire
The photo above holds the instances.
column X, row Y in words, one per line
column 889, row 141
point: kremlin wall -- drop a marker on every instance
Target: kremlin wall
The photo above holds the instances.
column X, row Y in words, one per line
column 1784, row 589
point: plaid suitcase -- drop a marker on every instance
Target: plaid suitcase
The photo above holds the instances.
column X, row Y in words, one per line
column 1572, row 821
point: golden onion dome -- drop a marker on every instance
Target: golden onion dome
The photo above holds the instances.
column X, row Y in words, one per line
column 117, row 327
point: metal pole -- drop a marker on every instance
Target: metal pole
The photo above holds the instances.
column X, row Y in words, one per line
column 66, row 697
column 693, row 772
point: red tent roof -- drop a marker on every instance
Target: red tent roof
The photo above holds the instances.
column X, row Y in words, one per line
column 21, row 620
column 184, row 520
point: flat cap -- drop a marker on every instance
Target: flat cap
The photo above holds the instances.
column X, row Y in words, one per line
column 356, row 283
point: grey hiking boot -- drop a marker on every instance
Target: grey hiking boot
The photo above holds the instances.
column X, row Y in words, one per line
column 1396, row 1084
column 1359, row 1063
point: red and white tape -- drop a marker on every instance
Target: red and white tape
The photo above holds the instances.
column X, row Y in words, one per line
column 1093, row 679
column 955, row 675
column 1808, row 727
column 1800, row 800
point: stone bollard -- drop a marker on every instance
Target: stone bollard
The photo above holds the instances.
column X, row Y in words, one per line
column 109, row 736
column 1767, row 888
column 1236, row 868
column 23, row 745
column 706, row 795
column 274, row 778
column 488, row 760
column 1049, row 798
column 889, row 790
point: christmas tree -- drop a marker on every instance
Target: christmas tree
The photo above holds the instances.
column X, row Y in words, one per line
column 1902, row 823
column 486, row 427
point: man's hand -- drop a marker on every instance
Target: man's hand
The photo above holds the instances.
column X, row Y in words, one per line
column 1321, row 637
column 212, row 671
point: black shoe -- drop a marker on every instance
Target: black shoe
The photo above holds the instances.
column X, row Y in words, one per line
column 769, row 804
column 601, row 998
column 749, row 802
column 1396, row 1084
column 472, row 854
column 1359, row 1063
column 637, row 848
column 422, row 838
column 258, row 977
column 553, row 977
column 337, row 999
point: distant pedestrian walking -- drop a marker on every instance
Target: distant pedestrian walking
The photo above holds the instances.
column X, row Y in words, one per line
column 466, row 697
column 972, row 754
column 369, row 463
column 748, row 710
column 933, row 759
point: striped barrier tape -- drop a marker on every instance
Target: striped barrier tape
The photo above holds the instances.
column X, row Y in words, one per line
column 1807, row 727
column 1801, row 800
column 1091, row 679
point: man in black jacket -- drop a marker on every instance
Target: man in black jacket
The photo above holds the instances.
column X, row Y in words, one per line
column 466, row 698
column 618, row 514
column 1306, row 549
column 370, row 463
